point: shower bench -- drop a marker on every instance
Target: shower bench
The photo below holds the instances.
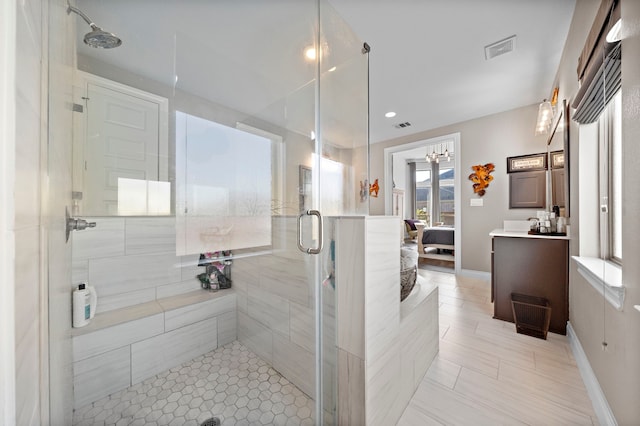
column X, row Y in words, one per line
column 122, row 347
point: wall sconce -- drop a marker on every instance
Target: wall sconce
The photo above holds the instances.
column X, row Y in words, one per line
column 545, row 117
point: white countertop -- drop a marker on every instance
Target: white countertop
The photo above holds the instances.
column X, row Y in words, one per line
column 523, row 234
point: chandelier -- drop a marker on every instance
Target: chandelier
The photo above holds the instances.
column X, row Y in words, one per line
column 435, row 157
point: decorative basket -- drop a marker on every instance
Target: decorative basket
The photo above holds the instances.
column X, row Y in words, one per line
column 407, row 281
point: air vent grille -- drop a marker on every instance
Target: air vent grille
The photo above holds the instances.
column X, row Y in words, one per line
column 402, row 125
column 500, row 47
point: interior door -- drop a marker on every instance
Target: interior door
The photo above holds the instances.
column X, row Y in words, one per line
column 122, row 142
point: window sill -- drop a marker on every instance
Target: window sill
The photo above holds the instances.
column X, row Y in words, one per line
column 605, row 277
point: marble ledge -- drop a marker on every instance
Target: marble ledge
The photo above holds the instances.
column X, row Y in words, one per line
column 142, row 310
column 419, row 294
column 523, row 234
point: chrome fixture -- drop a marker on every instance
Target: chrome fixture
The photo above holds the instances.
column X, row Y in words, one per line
column 97, row 38
column 76, row 224
column 320, row 240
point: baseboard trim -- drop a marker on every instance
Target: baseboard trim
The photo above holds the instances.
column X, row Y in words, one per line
column 598, row 399
column 475, row 274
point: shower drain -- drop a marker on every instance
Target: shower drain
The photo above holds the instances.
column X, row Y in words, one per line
column 214, row 421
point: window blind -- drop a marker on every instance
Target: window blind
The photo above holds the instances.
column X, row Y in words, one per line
column 599, row 66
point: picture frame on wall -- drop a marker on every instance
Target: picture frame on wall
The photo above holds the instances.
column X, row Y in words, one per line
column 527, row 163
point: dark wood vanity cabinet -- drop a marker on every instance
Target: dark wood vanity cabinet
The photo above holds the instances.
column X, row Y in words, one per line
column 535, row 267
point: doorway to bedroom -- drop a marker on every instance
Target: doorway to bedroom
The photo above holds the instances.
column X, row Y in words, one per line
column 423, row 177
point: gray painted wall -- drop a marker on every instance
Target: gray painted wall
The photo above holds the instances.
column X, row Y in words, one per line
column 618, row 367
column 489, row 139
column 510, row 133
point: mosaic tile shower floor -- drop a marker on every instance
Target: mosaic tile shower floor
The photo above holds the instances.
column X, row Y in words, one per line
column 231, row 383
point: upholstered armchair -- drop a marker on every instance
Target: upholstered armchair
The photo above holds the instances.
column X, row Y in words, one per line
column 410, row 226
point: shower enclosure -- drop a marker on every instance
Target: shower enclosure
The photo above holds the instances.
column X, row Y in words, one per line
column 224, row 133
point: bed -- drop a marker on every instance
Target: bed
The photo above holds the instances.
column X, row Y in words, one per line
column 439, row 237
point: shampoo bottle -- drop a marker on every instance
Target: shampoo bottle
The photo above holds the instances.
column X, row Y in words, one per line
column 84, row 305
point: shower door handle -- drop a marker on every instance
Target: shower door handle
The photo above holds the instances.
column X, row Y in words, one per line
column 301, row 247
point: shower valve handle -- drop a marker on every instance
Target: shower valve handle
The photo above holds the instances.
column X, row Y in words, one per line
column 81, row 224
column 76, row 224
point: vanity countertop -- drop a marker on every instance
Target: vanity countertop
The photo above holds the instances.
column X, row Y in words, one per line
column 523, row 234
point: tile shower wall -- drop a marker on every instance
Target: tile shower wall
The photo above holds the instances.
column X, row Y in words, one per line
column 276, row 306
column 27, row 229
column 131, row 260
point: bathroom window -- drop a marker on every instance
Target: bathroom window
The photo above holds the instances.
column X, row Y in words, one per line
column 224, row 187
column 610, row 132
column 600, row 174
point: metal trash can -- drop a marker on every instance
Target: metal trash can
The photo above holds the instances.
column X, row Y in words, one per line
column 531, row 314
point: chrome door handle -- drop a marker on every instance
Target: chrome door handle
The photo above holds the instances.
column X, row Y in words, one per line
column 318, row 249
column 311, row 250
column 300, row 245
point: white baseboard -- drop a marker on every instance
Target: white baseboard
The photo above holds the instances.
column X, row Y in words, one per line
column 599, row 401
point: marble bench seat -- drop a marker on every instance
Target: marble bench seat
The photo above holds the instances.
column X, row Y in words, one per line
column 122, row 347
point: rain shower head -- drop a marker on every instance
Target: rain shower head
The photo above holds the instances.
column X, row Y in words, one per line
column 97, row 38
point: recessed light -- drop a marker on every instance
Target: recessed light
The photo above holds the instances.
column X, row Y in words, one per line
column 310, row 53
column 390, row 114
column 332, row 69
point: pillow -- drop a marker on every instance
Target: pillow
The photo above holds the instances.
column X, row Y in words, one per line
column 408, row 258
column 412, row 224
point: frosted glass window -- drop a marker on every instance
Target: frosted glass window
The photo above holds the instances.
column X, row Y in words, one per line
column 333, row 186
column 223, row 187
column 137, row 197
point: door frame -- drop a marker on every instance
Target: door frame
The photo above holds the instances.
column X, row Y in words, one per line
column 457, row 182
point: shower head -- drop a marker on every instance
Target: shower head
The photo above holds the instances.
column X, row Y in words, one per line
column 97, row 38
column 101, row 39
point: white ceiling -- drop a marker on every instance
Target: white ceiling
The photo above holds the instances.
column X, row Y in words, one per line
column 427, row 57
column 426, row 62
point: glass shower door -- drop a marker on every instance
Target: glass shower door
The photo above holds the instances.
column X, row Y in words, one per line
column 342, row 162
column 267, row 119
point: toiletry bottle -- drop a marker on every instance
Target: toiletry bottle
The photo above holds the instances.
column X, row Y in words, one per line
column 552, row 222
column 84, row 305
column 560, row 225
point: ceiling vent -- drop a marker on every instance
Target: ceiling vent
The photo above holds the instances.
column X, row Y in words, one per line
column 402, row 125
column 500, row 47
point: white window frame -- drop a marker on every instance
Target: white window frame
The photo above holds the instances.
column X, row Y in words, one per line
column 596, row 262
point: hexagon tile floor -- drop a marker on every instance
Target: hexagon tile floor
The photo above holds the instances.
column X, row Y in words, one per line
column 231, row 383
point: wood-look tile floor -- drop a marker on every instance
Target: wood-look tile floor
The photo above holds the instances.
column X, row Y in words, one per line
column 487, row 374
